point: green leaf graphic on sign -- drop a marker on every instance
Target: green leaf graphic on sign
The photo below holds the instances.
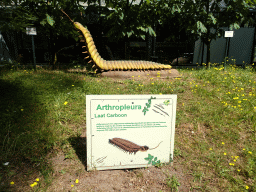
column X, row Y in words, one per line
column 167, row 102
column 152, row 160
column 148, row 105
column 50, row 19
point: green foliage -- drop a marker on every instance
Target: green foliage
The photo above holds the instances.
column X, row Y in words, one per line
column 173, row 183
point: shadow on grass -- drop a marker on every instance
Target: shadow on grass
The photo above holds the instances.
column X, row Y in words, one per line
column 27, row 130
column 79, row 145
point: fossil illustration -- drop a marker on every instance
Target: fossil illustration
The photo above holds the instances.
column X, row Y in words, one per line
column 128, row 146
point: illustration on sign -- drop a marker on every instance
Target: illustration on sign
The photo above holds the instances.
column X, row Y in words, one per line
column 121, row 129
column 129, row 146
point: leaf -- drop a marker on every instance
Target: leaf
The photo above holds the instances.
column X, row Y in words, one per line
column 213, row 19
column 43, row 22
column 151, row 32
column 143, row 37
column 153, row 162
column 155, row 158
column 129, row 34
column 50, row 19
column 201, row 26
column 148, row 2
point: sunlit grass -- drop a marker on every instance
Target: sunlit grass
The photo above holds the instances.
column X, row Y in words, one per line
column 215, row 124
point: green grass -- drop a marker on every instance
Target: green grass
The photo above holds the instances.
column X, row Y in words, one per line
column 43, row 112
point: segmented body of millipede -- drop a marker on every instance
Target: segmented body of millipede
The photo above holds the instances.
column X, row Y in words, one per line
column 128, row 146
column 102, row 64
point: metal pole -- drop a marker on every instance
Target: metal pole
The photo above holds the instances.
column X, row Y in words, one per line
column 34, row 55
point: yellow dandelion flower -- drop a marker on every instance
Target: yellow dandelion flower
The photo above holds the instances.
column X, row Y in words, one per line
column 225, row 153
column 152, row 83
column 73, row 85
column 222, row 143
column 246, row 187
column 22, row 109
column 37, row 179
column 210, row 149
column 160, row 93
column 12, row 183
column 77, row 181
column 72, row 185
column 66, row 103
column 249, row 152
column 238, row 170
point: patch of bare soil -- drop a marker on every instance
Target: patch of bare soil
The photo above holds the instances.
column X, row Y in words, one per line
column 66, row 171
column 163, row 74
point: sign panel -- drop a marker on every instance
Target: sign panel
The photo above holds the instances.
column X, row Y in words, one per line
column 129, row 131
column 229, row 33
column 30, row 30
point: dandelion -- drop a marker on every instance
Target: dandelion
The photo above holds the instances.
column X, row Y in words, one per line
column 210, row 149
column 33, row 184
column 238, row 170
column 225, row 153
column 66, row 103
column 222, row 143
column 117, row 87
column 244, row 149
column 12, row 183
column 37, row 179
column 73, row 85
column 21, row 109
column 72, row 185
column 160, row 93
column 246, row 187
column 77, row 181
column 152, row 83
column 231, row 164
column 249, row 152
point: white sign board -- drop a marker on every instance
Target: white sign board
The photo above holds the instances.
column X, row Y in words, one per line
column 229, row 33
column 129, row 131
column 30, row 30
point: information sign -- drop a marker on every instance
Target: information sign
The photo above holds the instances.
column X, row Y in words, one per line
column 229, row 33
column 129, row 131
column 30, row 30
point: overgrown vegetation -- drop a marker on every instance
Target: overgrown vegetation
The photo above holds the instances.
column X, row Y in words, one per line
column 43, row 111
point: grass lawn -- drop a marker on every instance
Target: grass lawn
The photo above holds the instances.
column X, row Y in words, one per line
column 43, row 111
